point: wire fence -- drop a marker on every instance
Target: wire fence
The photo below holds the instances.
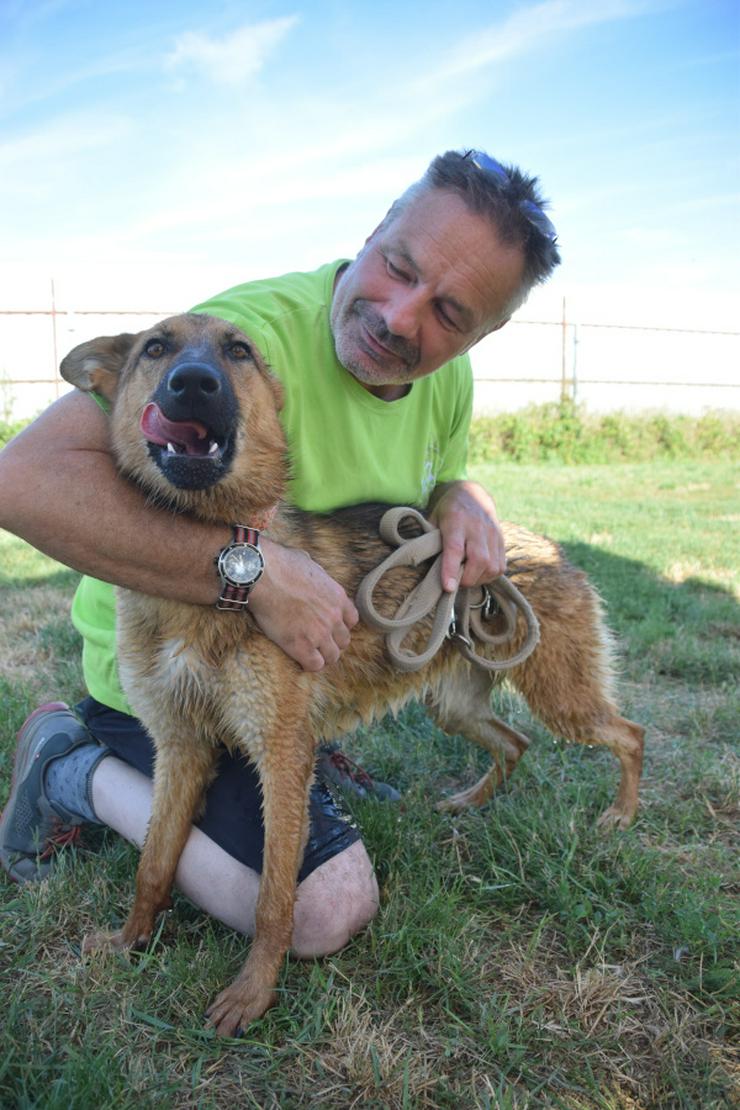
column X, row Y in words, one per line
column 604, row 366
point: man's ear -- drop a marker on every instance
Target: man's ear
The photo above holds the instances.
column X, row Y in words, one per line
column 94, row 366
column 500, row 324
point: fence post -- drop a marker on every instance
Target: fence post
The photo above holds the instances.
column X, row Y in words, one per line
column 564, row 358
column 54, row 338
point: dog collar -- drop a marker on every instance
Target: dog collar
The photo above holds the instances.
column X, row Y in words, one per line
column 239, row 565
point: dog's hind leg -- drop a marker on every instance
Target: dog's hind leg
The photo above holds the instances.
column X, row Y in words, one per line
column 623, row 738
column 462, row 704
column 626, row 740
column 567, row 684
column 183, row 769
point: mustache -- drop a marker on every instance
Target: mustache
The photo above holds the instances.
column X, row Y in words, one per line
column 405, row 350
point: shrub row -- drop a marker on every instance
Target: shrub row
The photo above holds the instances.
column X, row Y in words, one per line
column 563, row 432
column 8, row 429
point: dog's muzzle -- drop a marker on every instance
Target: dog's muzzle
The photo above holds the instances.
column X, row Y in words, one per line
column 189, row 425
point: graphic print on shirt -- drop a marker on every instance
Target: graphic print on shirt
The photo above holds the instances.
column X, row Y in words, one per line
column 432, row 462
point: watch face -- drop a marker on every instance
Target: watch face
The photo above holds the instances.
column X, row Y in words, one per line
column 241, row 564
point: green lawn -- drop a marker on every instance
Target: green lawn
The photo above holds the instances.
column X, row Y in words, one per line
column 520, row 958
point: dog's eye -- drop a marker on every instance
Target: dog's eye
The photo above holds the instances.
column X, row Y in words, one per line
column 155, row 348
column 240, row 350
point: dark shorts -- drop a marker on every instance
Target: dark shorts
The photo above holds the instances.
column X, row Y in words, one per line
column 233, row 811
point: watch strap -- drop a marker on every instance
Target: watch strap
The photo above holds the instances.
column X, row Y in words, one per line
column 244, row 534
column 235, row 599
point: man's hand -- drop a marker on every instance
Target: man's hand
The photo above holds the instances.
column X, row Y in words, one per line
column 301, row 608
column 471, row 537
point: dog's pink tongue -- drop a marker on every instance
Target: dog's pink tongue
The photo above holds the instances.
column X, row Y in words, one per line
column 185, row 433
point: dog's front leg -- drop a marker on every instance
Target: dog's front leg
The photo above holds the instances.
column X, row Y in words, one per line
column 286, row 771
column 183, row 770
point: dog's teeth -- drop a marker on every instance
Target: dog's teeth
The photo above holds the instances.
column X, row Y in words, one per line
column 171, row 449
column 213, row 449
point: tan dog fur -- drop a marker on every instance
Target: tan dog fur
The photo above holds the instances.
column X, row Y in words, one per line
column 198, row 677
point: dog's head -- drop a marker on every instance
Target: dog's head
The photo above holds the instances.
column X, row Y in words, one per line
column 194, row 410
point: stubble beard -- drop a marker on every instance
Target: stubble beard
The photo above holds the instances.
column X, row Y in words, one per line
column 362, row 361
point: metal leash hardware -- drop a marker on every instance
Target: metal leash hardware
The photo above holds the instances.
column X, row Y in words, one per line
column 459, row 616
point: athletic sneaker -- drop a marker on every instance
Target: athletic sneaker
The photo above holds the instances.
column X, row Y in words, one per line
column 31, row 828
column 333, row 766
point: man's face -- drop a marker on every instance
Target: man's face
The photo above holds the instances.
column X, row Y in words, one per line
column 424, row 288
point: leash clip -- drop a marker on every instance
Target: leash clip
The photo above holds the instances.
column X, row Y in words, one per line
column 453, row 634
column 428, row 599
column 488, row 605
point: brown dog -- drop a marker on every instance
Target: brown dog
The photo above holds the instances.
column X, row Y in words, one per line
column 198, row 677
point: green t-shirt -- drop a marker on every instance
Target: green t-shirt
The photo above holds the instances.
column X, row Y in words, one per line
column 346, row 445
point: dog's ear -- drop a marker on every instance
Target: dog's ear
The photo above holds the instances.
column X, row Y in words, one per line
column 94, row 366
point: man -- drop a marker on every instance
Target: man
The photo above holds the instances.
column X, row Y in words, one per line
column 378, row 387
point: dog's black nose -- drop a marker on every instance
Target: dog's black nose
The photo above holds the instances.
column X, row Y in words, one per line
column 193, row 381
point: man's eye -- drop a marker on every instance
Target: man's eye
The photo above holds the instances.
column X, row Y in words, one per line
column 446, row 320
column 395, row 271
column 155, row 348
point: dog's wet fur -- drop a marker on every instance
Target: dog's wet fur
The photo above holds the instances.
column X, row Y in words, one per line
column 195, row 423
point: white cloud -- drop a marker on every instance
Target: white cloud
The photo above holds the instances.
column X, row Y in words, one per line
column 528, row 27
column 233, row 59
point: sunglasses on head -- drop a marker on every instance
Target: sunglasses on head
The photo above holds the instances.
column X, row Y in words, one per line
column 532, row 212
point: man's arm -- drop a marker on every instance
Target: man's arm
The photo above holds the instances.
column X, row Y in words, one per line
column 466, row 516
column 61, row 492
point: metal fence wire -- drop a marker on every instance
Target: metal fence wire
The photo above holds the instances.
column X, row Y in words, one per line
column 604, row 366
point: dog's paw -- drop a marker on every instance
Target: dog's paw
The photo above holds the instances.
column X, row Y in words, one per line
column 120, row 941
column 237, row 1006
column 104, row 942
column 615, row 818
column 472, row 798
column 458, row 803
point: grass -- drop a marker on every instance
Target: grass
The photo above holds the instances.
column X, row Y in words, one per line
column 520, row 958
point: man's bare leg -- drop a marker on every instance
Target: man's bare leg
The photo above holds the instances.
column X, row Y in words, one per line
column 333, row 903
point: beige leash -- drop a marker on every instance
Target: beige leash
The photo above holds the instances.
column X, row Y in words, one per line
column 461, row 615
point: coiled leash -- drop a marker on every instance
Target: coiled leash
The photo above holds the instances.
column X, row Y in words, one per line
column 459, row 616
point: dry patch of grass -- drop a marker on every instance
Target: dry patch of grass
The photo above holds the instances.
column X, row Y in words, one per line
column 695, row 570
column 26, row 650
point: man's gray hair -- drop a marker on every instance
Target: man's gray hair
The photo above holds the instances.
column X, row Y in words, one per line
column 499, row 198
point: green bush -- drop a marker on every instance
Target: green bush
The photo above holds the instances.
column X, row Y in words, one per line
column 566, row 433
column 715, row 436
column 9, row 429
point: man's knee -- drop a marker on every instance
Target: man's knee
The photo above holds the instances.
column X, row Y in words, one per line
column 336, row 901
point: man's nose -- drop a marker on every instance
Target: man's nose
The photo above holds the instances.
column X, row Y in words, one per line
column 403, row 314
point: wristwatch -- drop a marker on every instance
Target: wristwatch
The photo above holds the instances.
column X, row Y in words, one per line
column 239, row 565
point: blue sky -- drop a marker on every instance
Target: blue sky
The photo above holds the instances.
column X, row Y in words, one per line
column 153, row 153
